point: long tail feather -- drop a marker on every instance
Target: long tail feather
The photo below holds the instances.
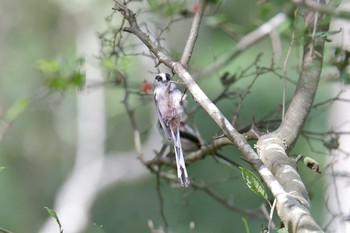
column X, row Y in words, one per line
column 180, row 161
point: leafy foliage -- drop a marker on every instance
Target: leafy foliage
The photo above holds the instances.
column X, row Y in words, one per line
column 59, row 77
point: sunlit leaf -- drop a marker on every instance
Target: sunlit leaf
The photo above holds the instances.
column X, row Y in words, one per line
column 53, row 214
column 244, row 220
column 281, row 230
column 253, row 182
column 59, row 77
column 16, row 109
column 48, row 67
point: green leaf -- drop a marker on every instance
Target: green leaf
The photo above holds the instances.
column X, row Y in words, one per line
column 53, row 214
column 77, row 79
column 327, row 33
column 2, row 168
column 173, row 8
column 153, row 4
column 48, row 67
column 16, row 109
column 244, row 220
column 281, row 230
column 253, row 182
column 108, row 64
column 61, row 77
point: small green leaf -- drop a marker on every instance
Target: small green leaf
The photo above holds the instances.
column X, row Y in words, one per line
column 124, row 62
column 48, row 67
column 108, row 64
column 327, row 33
column 173, row 8
column 153, row 4
column 244, row 220
column 280, row 230
column 2, row 168
column 77, row 79
column 253, row 182
column 53, row 214
column 16, row 109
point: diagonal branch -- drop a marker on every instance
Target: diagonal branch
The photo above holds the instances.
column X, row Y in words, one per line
column 246, row 42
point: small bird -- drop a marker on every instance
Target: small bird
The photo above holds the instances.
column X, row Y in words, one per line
column 170, row 103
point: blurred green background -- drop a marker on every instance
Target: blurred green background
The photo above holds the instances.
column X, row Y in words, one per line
column 39, row 147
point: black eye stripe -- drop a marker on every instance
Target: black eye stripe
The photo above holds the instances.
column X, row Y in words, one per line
column 163, row 77
column 167, row 76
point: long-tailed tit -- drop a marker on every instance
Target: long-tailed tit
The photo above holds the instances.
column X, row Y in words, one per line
column 170, row 102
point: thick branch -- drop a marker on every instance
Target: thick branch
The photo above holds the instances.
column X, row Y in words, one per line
column 304, row 95
column 272, row 147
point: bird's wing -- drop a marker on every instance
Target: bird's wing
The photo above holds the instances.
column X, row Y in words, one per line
column 165, row 127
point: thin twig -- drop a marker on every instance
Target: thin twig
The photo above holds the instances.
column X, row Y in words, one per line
column 225, row 203
column 192, row 37
column 161, row 203
column 3, row 230
column 247, row 41
column 271, row 215
column 285, row 67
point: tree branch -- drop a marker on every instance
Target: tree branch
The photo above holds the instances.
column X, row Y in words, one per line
column 322, row 8
column 293, row 210
column 244, row 43
column 272, row 147
column 192, row 37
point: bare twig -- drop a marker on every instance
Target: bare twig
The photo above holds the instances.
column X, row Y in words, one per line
column 161, row 203
column 225, row 203
column 130, row 112
column 247, row 41
column 285, row 69
column 192, row 37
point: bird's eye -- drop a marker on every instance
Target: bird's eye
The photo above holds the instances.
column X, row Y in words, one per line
column 158, row 78
column 167, row 77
